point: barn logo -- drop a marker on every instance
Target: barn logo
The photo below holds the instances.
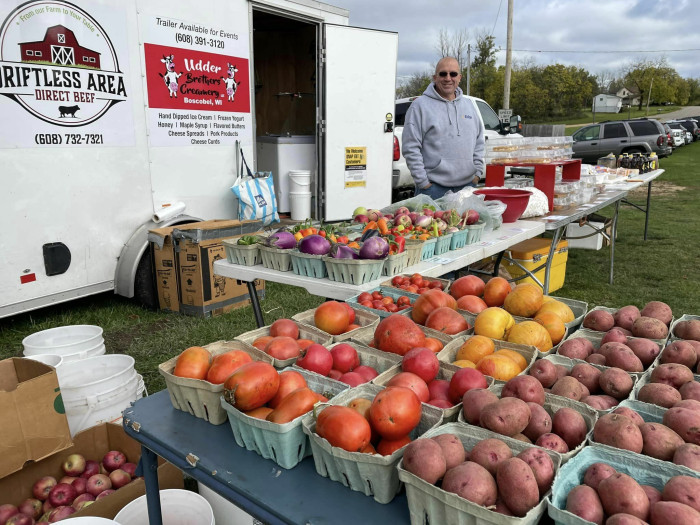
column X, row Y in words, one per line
column 59, row 64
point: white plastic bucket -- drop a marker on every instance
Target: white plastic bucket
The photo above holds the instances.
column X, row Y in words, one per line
column 225, row 512
column 64, row 339
column 299, row 181
column 48, row 359
column 300, row 205
column 95, row 374
column 84, row 354
column 178, row 507
column 88, row 520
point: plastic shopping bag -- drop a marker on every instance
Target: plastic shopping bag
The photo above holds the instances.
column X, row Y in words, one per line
column 256, row 196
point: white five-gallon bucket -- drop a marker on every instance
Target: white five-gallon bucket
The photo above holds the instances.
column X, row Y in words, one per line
column 63, row 340
column 48, row 359
column 299, row 181
column 225, row 512
column 300, row 205
column 178, row 507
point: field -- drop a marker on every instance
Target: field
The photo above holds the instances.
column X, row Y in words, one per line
column 661, row 268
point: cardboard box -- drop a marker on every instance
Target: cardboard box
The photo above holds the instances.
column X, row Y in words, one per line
column 33, row 420
column 165, row 268
column 92, row 443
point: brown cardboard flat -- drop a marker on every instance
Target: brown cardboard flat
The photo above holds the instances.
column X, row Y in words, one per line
column 92, row 443
column 165, row 270
column 34, row 423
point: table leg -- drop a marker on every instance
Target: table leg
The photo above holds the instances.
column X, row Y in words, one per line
column 256, row 304
column 149, row 463
column 613, row 234
column 646, row 211
column 548, row 266
column 496, row 265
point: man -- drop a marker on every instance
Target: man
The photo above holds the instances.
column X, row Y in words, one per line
column 443, row 135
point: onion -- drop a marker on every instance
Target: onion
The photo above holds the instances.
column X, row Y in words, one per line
column 342, row 251
column 374, row 248
column 452, row 229
column 422, row 221
column 314, row 245
column 282, row 240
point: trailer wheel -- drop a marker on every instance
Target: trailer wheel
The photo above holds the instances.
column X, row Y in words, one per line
column 144, row 284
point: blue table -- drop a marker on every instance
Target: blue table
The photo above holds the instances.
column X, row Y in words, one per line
column 260, row 487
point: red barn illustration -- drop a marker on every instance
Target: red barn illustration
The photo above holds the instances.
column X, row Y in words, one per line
column 59, row 47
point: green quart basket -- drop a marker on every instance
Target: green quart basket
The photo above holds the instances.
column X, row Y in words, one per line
column 442, row 244
column 353, row 271
column 308, row 265
column 459, row 239
column 428, row 250
column 475, row 231
column 414, row 248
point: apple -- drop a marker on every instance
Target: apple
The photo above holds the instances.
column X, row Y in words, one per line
column 119, row 478
column 61, row 513
column 30, row 507
column 421, row 361
column 360, row 210
column 367, row 372
column 345, row 357
column 74, row 465
column 62, row 494
column 113, row 460
column 402, row 209
column 316, row 358
column 20, row 519
column 67, row 479
column 82, row 505
column 7, row 511
column 104, row 494
column 41, row 489
column 352, row 379
column 92, row 467
column 98, row 483
column 45, row 517
column 427, row 212
column 412, row 381
column 403, row 220
column 472, row 216
column 81, row 498
column 47, row 507
column 129, row 468
column 361, row 218
column 464, row 380
column 374, row 215
column 440, row 403
column 439, row 389
column 80, row 485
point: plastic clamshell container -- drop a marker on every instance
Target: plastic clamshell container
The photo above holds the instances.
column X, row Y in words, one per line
column 644, row 470
column 243, row 254
column 428, row 503
column 308, row 265
column 276, row 258
column 372, row 474
column 197, row 396
column 363, row 317
column 305, row 332
column 285, row 444
column 390, row 291
column 353, row 271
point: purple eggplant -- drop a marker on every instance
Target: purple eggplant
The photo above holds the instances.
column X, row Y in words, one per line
column 342, row 251
column 314, row 245
column 374, row 248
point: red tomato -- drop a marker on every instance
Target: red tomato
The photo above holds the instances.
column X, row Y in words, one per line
column 395, row 412
column 429, row 301
column 422, row 290
column 283, row 347
column 377, row 295
column 382, row 308
column 193, row 363
column 412, row 288
column 386, row 447
column 251, row 386
column 367, row 304
column 377, row 303
column 290, row 380
column 387, row 300
column 403, row 300
column 391, row 307
column 351, row 312
column 343, row 427
column 332, row 317
column 397, row 280
column 467, row 285
column 404, row 307
column 435, row 284
column 261, row 342
column 412, row 381
column 416, row 279
column 284, row 327
column 223, row 365
column 364, row 296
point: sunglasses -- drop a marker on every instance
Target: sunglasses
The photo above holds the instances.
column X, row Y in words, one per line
column 453, row 74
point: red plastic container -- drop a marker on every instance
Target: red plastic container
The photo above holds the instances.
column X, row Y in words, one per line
column 515, row 201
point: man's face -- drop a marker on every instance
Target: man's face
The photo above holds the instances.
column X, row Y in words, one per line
column 445, row 83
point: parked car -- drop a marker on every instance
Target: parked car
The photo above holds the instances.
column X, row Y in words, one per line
column 669, row 134
column 679, row 134
column 691, row 125
column 620, row 136
column 402, row 181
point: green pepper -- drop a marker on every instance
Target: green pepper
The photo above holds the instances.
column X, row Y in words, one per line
column 247, row 240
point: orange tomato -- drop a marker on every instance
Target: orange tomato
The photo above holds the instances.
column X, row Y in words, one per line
column 223, row 365
column 290, row 380
column 193, row 363
column 332, row 317
column 345, row 428
column 284, row 327
column 251, row 386
column 294, row 404
column 434, row 344
column 395, row 412
column 259, row 413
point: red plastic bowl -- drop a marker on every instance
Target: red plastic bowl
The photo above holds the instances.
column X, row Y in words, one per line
column 515, row 201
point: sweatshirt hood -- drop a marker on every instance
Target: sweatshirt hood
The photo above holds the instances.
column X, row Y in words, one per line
column 450, row 106
column 431, row 92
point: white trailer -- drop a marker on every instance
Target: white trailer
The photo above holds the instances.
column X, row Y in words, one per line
column 113, row 110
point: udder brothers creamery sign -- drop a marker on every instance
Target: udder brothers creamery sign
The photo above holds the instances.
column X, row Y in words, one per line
column 64, row 76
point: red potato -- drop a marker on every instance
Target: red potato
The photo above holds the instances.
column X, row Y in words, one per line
column 596, row 473
column 683, row 489
column 618, row 431
column 599, row 320
column 552, row 442
column 626, row 316
column 645, row 349
column 517, row 486
column 688, row 455
column 452, row 449
column 673, row 374
column 576, row 348
column 490, row 453
column 472, row 482
column 424, row 458
column 540, row 422
column 583, row 501
column 527, row 388
column 542, row 467
column 621, row 493
column 659, row 394
column 616, row 383
column 690, row 390
column 569, row 424
column 587, row 375
column 632, row 414
column 660, row 442
column 657, row 310
column 474, row 401
column 544, row 371
column 681, row 352
column 685, row 422
column 614, row 335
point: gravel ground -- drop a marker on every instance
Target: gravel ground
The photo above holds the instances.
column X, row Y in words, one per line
column 688, row 111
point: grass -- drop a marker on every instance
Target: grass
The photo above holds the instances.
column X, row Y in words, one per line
column 586, row 117
column 661, row 268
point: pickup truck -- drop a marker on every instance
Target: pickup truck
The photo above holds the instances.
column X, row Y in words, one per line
column 402, row 182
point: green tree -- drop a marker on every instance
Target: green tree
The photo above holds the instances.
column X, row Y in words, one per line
column 414, row 86
column 483, row 71
column 654, row 75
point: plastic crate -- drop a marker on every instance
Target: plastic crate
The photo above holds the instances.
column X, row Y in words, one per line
column 389, row 291
column 645, row 470
column 305, row 332
column 442, row 244
column 459, row 239
column 353, row 271
column 285, row 444
column 395, row 264
column 363, row 317
column 475, row 231
column 276, row 259
column 414, row 247
column 197, row 396
column 243, row 254
column 428, row 249
column 372, row 474
column 449, row 353
column 308, row 265
column 428, row 503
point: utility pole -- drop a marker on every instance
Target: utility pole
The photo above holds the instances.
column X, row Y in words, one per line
column 509, row 46
column 649, row 95
column 469, row 66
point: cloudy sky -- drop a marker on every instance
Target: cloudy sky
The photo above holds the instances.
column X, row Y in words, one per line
column 595, row 34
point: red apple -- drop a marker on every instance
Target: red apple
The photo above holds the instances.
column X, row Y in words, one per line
column 367, row 372
column 81, row 498
column 62, row 494
column 104, row 494
column 113, row 460
column 412, row 381
column 74, row 465
column 439, row 389
column 129, row 468
column 464, row 380
column 42, row 487
column 80, row 485
column 316, row 358
column 46, row 507
column 345, row 357
column 352, row 379
column 30, row 507
column 440, row 403
column 92, row 467
column 82, row 505
column 421, row 361
column 7, row 511
column 20, row 519
column 98, row 483
column 67, row 479
column 61, row 513
column 119, row 478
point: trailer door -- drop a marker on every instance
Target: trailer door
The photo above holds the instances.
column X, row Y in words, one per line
column 357, row 139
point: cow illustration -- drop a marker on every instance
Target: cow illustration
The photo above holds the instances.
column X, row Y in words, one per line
column 231, row 84
column 68, row 111
column 219, row 281
column 170, row 77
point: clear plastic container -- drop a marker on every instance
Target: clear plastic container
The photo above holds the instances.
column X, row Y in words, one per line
column 503, row 157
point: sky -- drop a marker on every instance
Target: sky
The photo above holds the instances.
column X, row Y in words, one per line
column 625, row 30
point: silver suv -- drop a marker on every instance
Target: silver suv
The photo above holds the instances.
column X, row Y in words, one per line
column 620, row 136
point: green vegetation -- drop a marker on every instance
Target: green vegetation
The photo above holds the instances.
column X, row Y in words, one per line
column 661, row 268
column 586, row 117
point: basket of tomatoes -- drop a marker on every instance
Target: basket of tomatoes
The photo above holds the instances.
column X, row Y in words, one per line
column 337, row 319
column 383, row 301
column 417, row 284
column 195, row 378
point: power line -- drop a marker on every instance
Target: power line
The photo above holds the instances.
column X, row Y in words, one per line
column 497, row 15
column 606, row 52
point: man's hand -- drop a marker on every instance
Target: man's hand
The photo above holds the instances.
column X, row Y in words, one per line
column 428, row 186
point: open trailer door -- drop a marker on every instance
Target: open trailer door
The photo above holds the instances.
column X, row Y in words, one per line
column 359, row 86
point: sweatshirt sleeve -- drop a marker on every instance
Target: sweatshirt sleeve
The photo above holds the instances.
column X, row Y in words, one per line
column 412, row 144
column 479, row 151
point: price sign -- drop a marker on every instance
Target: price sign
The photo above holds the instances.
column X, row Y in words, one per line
column 505, row 114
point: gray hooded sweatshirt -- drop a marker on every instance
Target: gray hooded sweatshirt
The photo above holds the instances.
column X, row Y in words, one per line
column 443, row 140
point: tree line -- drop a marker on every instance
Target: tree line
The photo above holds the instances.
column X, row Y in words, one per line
column 554, row 91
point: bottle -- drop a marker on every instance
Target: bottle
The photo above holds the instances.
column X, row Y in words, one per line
column 654, row 161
